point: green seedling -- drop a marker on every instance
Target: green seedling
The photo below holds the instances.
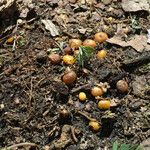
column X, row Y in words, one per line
column 84, row 54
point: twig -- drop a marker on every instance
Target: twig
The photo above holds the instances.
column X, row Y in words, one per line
column 86, row 116
column 20, row 145
column 73, row 134
column 86, row 86
column 58, row 45
column 39, row 82
column 120, row 21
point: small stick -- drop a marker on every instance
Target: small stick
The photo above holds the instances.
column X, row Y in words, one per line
column 73, row 134
column 80, row 88
column 58, row 46
column 21, row 145
column 120, row 21
column 86, row 116
column 39, row 82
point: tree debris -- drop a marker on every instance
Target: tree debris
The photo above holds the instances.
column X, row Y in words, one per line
column 138, row 42
column 50, row 27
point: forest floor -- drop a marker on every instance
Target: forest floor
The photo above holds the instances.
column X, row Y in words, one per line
column 37, row 109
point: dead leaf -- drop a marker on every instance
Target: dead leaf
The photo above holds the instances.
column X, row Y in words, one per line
column 135, row 5
column 50, row 27
column 138, row 42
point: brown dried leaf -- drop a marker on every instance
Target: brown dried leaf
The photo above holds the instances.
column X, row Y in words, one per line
column 138, row 42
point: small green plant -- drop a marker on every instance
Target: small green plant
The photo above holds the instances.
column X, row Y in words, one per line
column 84, row 54
column 135, row 24
column 117, row 146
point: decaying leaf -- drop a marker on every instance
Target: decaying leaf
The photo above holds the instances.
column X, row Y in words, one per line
column 138, row 42
column 135, row 5
column 51, row 27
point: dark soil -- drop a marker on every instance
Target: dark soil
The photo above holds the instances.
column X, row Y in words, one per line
column 32, row 94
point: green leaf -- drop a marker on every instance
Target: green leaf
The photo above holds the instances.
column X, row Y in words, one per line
column 124, row 147
column 115, row 145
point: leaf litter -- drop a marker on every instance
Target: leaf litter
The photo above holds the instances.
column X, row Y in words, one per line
column 138, row 42
column 40, row 96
